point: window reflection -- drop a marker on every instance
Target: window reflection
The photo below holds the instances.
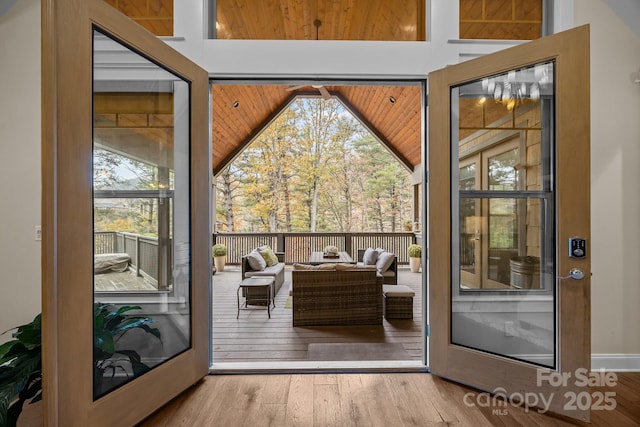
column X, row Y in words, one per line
column 503, row 263
column 142, row 266
column 500, row 175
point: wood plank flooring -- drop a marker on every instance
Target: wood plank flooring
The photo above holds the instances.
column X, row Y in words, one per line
column 122, row 282
column 256, row 338
column 365, row 400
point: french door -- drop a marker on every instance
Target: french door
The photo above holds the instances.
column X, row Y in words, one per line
column 126, row 167
column 509, row 203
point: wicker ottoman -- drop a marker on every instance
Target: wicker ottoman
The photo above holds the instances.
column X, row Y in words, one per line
column 398, row 302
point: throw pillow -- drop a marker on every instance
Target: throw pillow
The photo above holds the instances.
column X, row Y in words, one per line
column 385, row 260
column 269, row 256
column 370, row 257
column 256, row 261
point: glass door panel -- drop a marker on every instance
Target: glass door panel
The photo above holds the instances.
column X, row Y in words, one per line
column 126, row 235
column 141, row 195
column 508, row 162
column 499, row 125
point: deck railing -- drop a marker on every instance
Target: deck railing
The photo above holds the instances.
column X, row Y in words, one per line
column 143, row 251
column 297, row 247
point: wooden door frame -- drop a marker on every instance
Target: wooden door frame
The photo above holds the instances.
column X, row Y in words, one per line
column 67, row 250
column 484, row 371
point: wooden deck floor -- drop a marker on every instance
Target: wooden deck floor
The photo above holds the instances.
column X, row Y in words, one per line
column 255, row 338
column 122, row 282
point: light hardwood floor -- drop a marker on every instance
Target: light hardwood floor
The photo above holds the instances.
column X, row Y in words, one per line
column 364, row 400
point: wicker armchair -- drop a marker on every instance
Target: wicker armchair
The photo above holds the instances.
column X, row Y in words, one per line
column 352, row 297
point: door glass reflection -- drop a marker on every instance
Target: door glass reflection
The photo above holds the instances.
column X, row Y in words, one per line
column 141, row 228
column 504, row 269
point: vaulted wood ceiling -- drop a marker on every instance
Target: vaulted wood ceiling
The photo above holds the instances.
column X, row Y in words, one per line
column 392, row 113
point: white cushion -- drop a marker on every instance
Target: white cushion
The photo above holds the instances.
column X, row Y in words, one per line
column 256, row 261
column 370, row 257
column 385, row 259
column 397, row 291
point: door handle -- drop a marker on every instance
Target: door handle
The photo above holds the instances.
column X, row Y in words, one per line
column 575, row 273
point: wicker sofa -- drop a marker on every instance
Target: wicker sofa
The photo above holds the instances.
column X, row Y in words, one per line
column 389, row 277
column 336, row 297
column 276, row 271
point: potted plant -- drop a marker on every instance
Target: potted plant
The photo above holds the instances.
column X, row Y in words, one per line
column 109, row 326
column 415, row 257
column 219, row 253
column 20, row 371
column 21, row 358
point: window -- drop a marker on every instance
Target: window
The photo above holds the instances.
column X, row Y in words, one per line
column 501, row 19
column 505, row 194
column 154, row 15
column 319, row 20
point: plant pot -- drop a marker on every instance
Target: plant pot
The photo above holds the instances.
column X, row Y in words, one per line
column 219, row 262
column 414, row 264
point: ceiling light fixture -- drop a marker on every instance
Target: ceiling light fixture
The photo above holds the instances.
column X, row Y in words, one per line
column 392, row 100
column 317, row 23
column 236, row 104
column 517, row 86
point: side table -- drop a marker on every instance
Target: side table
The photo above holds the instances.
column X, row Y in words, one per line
column 256, row 291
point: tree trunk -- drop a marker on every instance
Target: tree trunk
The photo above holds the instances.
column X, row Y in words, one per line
column 394, row 208
column 228, row 200
column 379, row 215
column 287, row 204
column 314, row 203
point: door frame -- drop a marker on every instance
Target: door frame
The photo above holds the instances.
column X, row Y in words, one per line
column 275, row 367
column 67, row 250
column 570, row 50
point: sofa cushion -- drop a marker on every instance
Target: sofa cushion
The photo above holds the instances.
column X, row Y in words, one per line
column 397, row 291
column 274, row 270
column 385, row 259
column 256, row 261
column 350, row 267
column 388, row 273
column 320, row 267
column 370, row 256
column 268, row 255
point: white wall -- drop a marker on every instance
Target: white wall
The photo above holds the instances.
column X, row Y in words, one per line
column 615, row 181
column 20, row 171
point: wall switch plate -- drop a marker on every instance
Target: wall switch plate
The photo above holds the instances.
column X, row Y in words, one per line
column 38, row 233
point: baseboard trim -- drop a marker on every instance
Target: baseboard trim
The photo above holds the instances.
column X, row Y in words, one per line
column 616, row 362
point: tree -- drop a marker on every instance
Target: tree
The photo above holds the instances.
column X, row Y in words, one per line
column 315, row 168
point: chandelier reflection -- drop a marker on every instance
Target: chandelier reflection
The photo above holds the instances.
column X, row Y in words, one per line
column 518, row 86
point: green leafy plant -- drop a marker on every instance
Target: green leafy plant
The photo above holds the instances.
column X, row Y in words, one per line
column 21, row 358
column 219, row 250
column 414, row 251
column 109, row 326
column 20, row 371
